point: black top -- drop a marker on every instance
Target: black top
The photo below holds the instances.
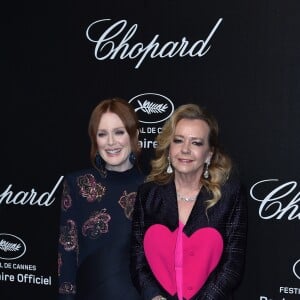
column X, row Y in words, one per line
column 94, row 239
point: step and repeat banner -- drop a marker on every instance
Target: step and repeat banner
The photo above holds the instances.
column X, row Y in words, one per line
column 239, row 59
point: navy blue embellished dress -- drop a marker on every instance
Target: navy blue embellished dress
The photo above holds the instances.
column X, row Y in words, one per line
column 94, row 240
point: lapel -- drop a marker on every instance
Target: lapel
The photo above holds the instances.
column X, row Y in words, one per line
column 170, row 216
column 198, row 217
column 169, row 198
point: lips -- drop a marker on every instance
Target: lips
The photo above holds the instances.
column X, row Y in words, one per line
column 182, row 160
column 113, row 151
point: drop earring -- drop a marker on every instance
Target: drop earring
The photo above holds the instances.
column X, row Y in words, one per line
column 169, row 168
column 206, row 173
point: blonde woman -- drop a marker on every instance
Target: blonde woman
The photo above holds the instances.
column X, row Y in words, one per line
column 189, row 222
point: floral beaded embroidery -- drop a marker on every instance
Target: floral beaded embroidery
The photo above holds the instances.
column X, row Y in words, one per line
column 97, row 224
column 67, row 288
column 89, row 188
column 127, row 203
column 66, row 202
column 68, row 236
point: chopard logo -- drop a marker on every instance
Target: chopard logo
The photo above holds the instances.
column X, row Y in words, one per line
column 11, row 246
column 152, row 108
column 10, row 197
column 274, row 203
column 115, row 42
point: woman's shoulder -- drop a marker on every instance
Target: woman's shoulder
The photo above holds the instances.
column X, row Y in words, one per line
column 151, row 186
column 232, row 181
column 74, row 175
column 233, row 186
column 132, row 176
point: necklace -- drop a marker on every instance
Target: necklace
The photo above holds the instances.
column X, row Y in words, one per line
column 184, row 198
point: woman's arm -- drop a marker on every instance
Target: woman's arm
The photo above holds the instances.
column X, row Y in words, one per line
column 228, row 274
column 141, row 274
column 67, row 246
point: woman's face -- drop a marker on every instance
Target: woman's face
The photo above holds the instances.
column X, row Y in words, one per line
column 189, row 149
column 113, row 142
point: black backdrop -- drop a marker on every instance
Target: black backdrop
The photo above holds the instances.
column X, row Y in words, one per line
column 248, row 76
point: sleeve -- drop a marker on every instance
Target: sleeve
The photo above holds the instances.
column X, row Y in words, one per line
column 141, row 274
column 67, row 245
column 228, row 275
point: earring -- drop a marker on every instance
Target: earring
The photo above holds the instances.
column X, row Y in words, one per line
column 132, row 158
column 99, row 165
column 169, row 168
column 206, row 173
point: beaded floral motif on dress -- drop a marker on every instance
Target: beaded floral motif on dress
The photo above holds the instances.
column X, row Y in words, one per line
column 67, row 288
column 96, row 224
column 68, row 236
column 89, row 188
column 66, row 202
column 127, row 203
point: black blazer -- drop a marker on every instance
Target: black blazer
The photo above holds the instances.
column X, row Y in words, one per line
column 157, row 204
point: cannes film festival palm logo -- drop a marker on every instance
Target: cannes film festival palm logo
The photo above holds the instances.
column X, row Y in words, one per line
column 152, row 108
column 11, row 246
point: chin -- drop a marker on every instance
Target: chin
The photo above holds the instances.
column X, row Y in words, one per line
column 114, row 163
column 185, row 170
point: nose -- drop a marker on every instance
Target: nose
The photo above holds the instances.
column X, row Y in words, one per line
column 111, row 139
column 185, row 149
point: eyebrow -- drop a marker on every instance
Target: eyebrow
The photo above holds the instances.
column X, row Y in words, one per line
column 117, row 128
column 192, row 138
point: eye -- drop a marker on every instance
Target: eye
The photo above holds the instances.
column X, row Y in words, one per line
column 120, row 132
column 177, row 141
column 198, row 143
column 101, row 134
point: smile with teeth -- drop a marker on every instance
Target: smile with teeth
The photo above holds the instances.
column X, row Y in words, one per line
column 113, row 151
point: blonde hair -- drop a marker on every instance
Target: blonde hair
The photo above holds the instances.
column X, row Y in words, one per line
column 220, row 165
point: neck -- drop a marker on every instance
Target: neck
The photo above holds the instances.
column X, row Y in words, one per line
column 187, row 188
column 188, row 182
column 122, row 168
